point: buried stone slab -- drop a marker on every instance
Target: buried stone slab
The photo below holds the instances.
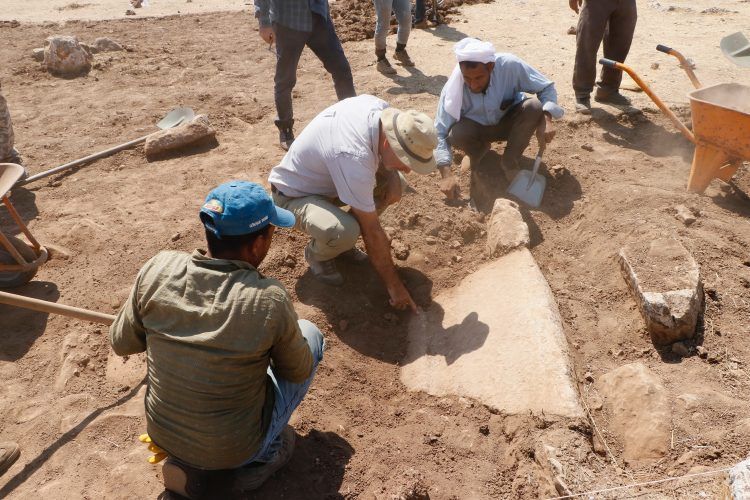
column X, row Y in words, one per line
column 502, row 345
column 739, row 480
column 666, row 282
column 640, row 417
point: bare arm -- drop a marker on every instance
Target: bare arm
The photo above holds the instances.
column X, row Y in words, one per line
column 379, row 251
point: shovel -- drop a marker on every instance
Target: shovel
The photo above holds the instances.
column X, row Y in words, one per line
column 172, row 119
column 528, row 186
column 737, row 48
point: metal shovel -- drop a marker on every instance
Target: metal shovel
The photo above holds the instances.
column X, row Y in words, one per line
column 528, row 186
column 172, row 119
column 737, row 48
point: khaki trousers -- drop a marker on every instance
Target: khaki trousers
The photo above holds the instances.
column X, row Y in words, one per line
column 333, row 230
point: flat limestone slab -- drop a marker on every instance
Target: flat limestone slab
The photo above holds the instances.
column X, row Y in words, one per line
column 496, row 337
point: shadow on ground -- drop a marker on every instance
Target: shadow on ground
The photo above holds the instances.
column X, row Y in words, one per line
column 21, row 327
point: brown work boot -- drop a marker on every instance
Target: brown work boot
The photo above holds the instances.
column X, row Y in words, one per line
column 184, row 480
column 9, row 453
column 403, row 57
column 252, row 476
column 611, row 97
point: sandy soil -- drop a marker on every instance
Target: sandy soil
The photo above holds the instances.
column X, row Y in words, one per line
column 75, row 411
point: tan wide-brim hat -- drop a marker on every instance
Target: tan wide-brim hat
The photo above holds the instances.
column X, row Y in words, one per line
column 412, row 137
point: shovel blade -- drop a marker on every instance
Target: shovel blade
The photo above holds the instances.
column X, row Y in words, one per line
column 175, row 117
column 528, row 188
column 737, row 49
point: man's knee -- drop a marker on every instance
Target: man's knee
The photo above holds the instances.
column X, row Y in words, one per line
column 314, row 339
column 463, row 135
column 531, row 111
column 344, row 234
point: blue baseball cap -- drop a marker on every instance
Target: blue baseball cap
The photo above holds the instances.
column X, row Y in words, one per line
column 241, row 207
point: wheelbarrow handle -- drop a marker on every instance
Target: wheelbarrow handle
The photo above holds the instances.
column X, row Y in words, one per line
column 663, row 48
column 609, row 63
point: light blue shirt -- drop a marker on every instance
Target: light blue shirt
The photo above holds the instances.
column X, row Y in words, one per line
column 510, row 79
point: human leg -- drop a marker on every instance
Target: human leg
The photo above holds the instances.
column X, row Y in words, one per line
column 325, row 44
column 402, row 9
column 382, row 27
column 592, row 22
column 470, row 137
column 617, row 40
column 517, row 127
column 289, row 45
column 7, row 152
column 289, row 395
column 419, row 13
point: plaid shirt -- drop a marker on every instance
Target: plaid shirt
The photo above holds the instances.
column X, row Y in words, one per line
column 293, row 14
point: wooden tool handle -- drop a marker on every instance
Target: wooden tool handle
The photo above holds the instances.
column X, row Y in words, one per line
column 13, row 299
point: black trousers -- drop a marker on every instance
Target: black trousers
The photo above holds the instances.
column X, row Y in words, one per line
column 325, row 43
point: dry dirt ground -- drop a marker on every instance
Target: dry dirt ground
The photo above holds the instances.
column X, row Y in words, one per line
column 75, row 410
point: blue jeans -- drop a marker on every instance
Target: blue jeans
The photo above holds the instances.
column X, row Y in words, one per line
column 288, row 395
column 419, row 11
column 383, row 9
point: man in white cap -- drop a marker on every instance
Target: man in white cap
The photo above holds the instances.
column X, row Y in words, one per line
column 484, row 101
column 353, row 153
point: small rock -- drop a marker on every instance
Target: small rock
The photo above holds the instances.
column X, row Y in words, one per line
column 175, row 237
column 484, row 430
column 572, row 30
column 64, row 56
column 129, row 12
column 587, row 147
column 431, row 240
column 680, row 349
column 714, row 357
column 400, row 249
column 702, row 352
column 655, row 65
column 38, row 54
column 136, row 3
column 430, row 439
column 588, row 377
column 575, row 156
column 455, row 244
column 457, row 258
column 557, row 171
column 104, row 44
column 684, row 214
column 289, row 261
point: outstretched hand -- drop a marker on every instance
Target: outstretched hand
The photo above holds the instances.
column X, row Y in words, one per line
column 575, row 4
column 267, row 34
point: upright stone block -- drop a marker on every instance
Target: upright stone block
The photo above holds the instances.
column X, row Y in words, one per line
column 665, row 280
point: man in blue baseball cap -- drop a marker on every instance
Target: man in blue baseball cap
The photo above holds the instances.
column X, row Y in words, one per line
column 211, row 324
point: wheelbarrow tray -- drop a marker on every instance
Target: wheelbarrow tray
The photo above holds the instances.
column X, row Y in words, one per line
column 721, row 118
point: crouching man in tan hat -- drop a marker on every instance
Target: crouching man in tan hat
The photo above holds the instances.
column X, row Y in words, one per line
column 353, row 153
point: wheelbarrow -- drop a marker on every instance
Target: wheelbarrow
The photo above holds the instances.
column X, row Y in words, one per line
column 721, row 123
column 18, row 261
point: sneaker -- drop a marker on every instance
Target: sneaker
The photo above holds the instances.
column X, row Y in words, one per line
column 583, row 105
column 385, row 67
column 421, row 24
column 324, row 270
column 610, row 97
column 9, row 453
column 184, row 480
column 286, row 138
column 354, row 255
column 252, row 476
column 403, row 57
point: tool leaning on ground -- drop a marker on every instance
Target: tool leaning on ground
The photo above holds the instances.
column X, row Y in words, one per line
column 721, row 123
column 528, row 185
column 175, row 117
